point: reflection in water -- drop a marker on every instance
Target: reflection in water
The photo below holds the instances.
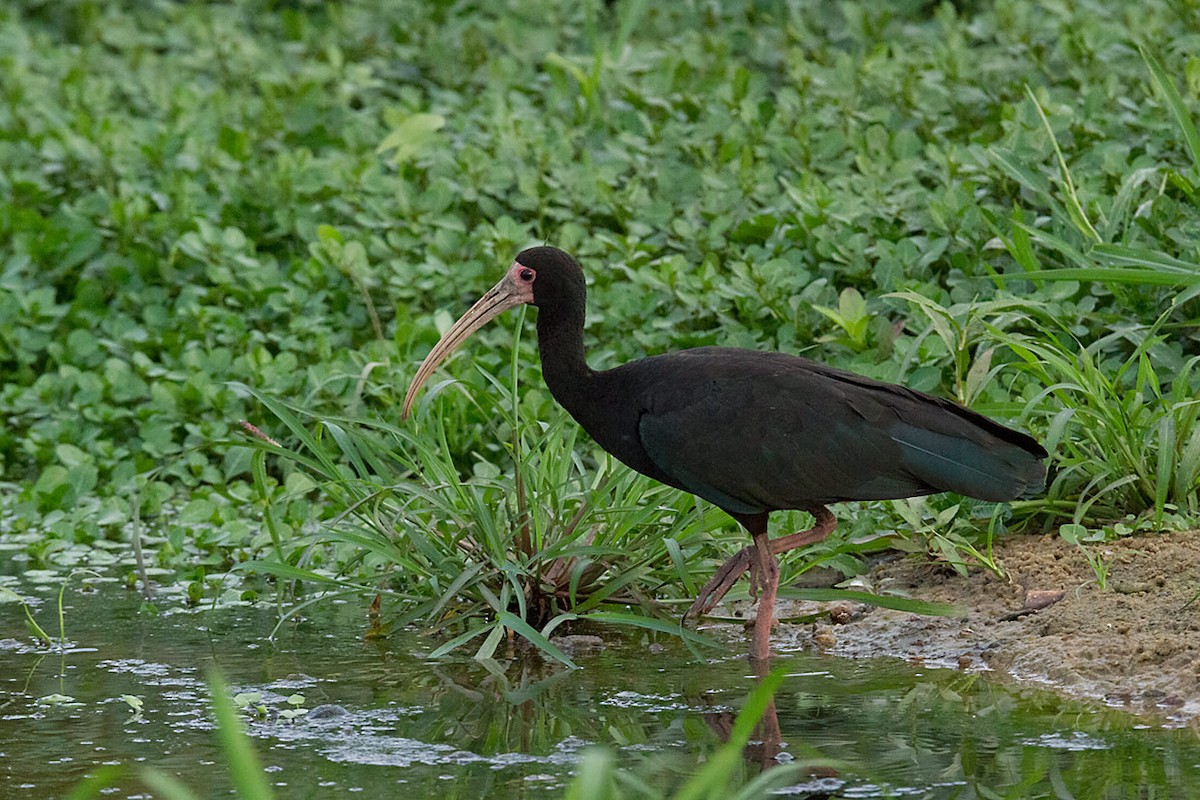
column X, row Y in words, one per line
column 764, row 748
column 768, row 737
column 514, row 726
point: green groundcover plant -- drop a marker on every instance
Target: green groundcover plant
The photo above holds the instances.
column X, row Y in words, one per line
column 268, row 211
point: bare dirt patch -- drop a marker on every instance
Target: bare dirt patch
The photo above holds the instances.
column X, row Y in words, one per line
column 1135, row 644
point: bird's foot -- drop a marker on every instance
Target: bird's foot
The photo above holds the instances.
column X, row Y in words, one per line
column 723, row 581
column 745, row 560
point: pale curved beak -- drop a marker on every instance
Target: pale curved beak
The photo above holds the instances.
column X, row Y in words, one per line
column 508, row 293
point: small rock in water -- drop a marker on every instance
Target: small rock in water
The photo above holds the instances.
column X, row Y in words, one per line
column 327, row 711
column 575, row 642
column 842, row 613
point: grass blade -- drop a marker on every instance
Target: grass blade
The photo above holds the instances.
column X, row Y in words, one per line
column 488, row 648
column 1074, row 207
column 462, row 639
column 168, row 787
column 1166, row 462
column 1146, row 277
column 594, row 776
column 282, row 570
column 1121, row 255
column 713, row 777
column 680, row 562
column 520, row 626
column 244, row 768
column 1166, row 87
column 923, row 607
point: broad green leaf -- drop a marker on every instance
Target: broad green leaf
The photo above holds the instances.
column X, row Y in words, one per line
column 412, row 136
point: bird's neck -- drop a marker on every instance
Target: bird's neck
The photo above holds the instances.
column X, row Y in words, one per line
column 564, row 364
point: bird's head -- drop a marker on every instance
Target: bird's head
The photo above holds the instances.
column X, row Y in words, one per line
column 539, row 276
column 557, row 278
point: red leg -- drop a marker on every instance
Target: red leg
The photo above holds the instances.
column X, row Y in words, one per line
column 768, row 577
column 767, row 732
column 747, row 559
column 823, row 524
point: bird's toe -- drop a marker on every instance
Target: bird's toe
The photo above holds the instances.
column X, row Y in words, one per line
column 721, row 583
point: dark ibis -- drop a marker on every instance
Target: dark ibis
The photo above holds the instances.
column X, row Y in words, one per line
column 750, row 431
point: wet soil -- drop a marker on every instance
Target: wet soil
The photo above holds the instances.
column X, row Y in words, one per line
column 1133, row 644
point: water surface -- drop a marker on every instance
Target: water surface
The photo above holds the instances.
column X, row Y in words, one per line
column 515, row 726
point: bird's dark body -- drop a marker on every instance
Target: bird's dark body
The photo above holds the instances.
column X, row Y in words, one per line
column 752, row 432
column 755, row 432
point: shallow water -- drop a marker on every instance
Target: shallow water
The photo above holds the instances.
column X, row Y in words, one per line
column 515, row 727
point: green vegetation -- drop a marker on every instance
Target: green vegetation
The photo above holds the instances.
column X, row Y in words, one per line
column 240, row 759
column 249, row 210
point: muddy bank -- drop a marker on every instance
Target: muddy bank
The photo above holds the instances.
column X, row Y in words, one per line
column 1133, row 645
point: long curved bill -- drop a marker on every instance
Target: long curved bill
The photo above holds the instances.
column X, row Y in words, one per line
column 510, row 292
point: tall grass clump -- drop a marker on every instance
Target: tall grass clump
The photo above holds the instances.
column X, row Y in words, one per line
column 1119, row 412
column 471, row 553
column 1123, row 438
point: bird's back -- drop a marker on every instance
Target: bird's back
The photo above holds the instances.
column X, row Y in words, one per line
column 758, row 431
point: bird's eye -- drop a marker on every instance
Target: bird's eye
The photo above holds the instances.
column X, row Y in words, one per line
column 526, row 274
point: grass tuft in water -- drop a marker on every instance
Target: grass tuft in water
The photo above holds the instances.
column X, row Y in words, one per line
column 561, row 539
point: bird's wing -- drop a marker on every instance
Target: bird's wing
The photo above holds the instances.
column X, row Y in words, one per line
column 759, row 431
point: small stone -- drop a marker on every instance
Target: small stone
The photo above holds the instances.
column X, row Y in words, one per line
column 575, row 642
column 824, row 637
column 840, row 613
column 327, row 711
column 1036, row 599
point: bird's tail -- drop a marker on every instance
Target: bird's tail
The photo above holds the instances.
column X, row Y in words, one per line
column 985, row 466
